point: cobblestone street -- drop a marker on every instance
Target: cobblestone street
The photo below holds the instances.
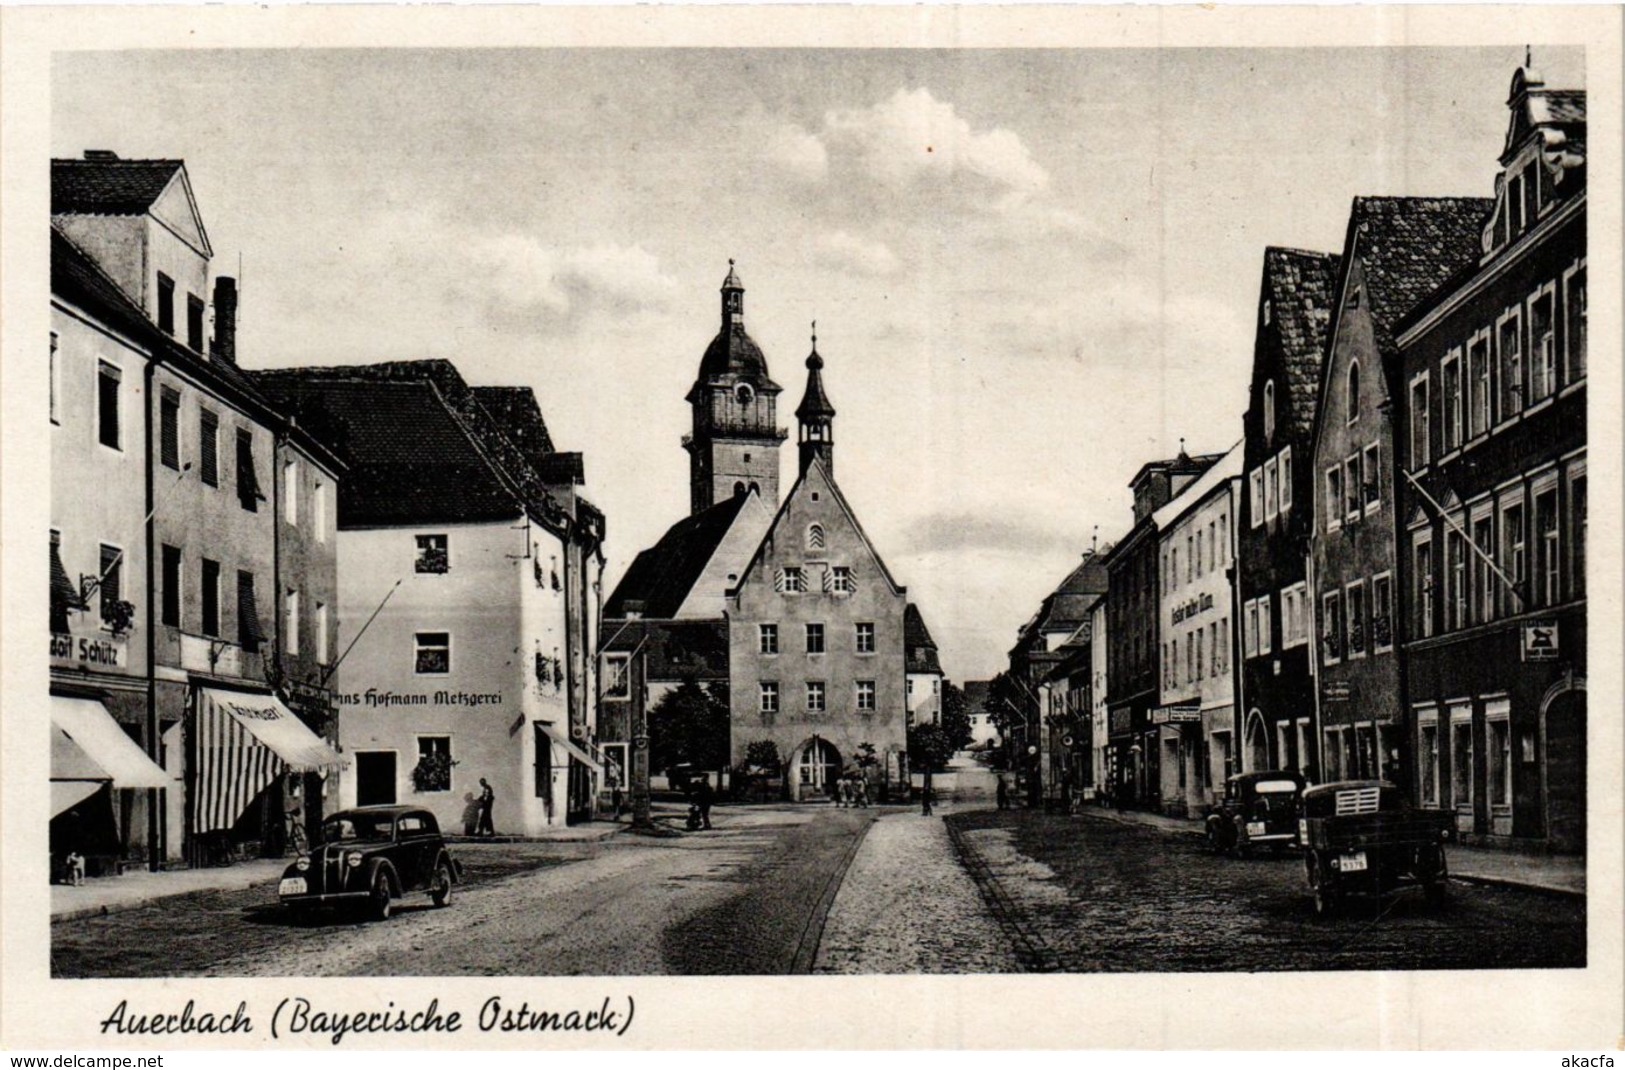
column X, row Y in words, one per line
column 908, row 906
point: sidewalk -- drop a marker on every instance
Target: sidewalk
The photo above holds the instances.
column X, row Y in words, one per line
column 1557, row 874
column 137, row 888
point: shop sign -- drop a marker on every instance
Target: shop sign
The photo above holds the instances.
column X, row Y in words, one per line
column 1177, row 715
column 1121, row 720
column 101, row 652
column 1540, row 640
column 1335, row 692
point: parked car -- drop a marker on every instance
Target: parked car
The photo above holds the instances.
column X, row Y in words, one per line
column 1361, row 837
column 370, row 856
column 1258, row 809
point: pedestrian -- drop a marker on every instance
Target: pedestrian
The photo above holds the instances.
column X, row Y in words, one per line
column 73, row 869
column 1002, row 793
column 843, row 792
column 488, row 798
column 702, row 799
column 617, row 797
column 925, row 796
column 861, row 784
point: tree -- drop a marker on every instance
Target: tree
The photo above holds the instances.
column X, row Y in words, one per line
column 764, row 754
column 690, row 725
column 929, row 748
column 955, row 718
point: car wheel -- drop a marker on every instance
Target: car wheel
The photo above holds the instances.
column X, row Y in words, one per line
column 1213, row 839
column 380, row 902
column 440, row 890
column 1436, row 894
column 1325, row 902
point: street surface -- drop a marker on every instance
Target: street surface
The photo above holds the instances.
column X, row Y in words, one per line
column 787, row 889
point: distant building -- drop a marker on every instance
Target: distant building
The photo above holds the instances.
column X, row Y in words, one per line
column 1492, row 499
column 468, row 560
column 924, row 685
column 1398, row 250
column 984, row 732
column 1196, row 531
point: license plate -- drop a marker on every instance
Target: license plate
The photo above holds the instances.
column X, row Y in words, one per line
column 1354, row 862
column 1255, row 828
column 291, row 886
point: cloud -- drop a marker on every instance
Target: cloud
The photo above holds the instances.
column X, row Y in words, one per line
column 525, row 274
column 848, row 252
column 912, row 136
column 798, row 152
column 962, row 531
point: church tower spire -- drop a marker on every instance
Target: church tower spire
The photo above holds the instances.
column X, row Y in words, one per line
column 734, row 447
column 815, row 415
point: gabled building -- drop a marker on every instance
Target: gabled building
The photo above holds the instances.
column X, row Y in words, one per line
column 816, row 632
column 467, row 562
column 1276, row 511
column 925, row 677
column 1397, row 251
column 1493, row 499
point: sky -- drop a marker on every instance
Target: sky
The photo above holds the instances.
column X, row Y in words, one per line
column 1032, row 270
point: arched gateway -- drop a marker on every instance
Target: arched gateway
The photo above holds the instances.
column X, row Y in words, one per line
column 816, row 766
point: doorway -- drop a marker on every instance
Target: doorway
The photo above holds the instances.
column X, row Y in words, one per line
column 374, row 777
column 1566, row 772
column 818, row 770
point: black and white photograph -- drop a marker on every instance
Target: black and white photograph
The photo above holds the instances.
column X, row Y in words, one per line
column 773, row 507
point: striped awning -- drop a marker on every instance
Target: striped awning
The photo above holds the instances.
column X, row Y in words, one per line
column 89, row 751
column 244, row 742
column 574, row 750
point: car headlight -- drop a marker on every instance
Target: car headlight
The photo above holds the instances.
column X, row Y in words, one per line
column 303, row 863
column 353, row 859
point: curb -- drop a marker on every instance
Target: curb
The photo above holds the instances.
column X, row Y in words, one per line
column 1030, row 947
column 1523, row 886
column 807, row 949
column 107, row 909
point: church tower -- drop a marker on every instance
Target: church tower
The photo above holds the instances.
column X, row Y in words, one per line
column 816, row 416
column 735, row 443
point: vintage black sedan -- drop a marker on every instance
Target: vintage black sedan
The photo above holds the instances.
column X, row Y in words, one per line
column 1362, row 837
column 1258, row 809
column 370, row 856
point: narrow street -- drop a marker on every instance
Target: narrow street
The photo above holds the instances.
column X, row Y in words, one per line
column 785, row 889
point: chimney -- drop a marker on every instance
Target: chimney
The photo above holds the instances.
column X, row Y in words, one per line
column 224, row 346
column 100, row 154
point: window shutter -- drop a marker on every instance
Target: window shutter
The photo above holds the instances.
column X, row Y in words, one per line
column 64, row 596
column 209, row 447
column 248, row 614
column 169, row 429
column 778, row 581
column 829, row 580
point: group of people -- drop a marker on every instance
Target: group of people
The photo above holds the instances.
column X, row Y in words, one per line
column 851, row 789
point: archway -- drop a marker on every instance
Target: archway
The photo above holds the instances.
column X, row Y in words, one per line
column 1258, row 742
column 1563, row 775
column 817, row 768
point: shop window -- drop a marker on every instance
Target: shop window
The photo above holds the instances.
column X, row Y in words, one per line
column 1499, row 744
column 433, row 771
column 432, row 654
column 433, row 555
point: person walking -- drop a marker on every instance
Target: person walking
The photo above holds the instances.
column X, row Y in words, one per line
column 925, row 795
column 488, row 798
column 860, row 784
column 1002, row 792
column 702, row 799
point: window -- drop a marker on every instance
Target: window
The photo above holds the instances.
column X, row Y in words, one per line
column 1351, row 488
column 1485, row 582
column 322, row 634
column 1269, row 409
column 1266, row 623
column 815, row 638
column 1190, row 558
column 1542, row 344
column 111, row 571
column 433, row 654
column 767, row 636
column 1511, row 351
column 866, row 637
column 169, row 430
column 170, row 613
column 208, row 447
column 840, row 580
column 617, row 675
column 1334, row 498
column 1285, row 465
column 290, row 628
column 1450, row 413
column 767, row 696
column 815, row 696
column 1421, row 445
column 1427, row 756
column 1173, row 567
column 1577, row 533
column 248, row 484
column 1546, row 580
column 1371, row 477
column 1514, row 554
column 866, row 696
column 1461, row 756
column 433, row 771
column 210, row 597
column 791, row 580
column 290, row 490
column 318, row 510
column 1272, row 489
column 1173, row 663
column 815, row 537
column 1249, row 630
column 1499, row 745
column 1424, row 583
column 248, row 613
column 1382, row 610
column 1478, row 384
column 1331, row 621
column 194, row 323
column 1455, row 579
column 1574, row 313
column 107, row 405
column 166, row 304
column 55, row 370
column 1354, row 629
column 1255, row 496
column 1353, row 395
column 433, row 555
column 1199, row 647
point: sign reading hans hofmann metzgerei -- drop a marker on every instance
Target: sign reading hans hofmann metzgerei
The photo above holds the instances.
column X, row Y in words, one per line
column 375, row 698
